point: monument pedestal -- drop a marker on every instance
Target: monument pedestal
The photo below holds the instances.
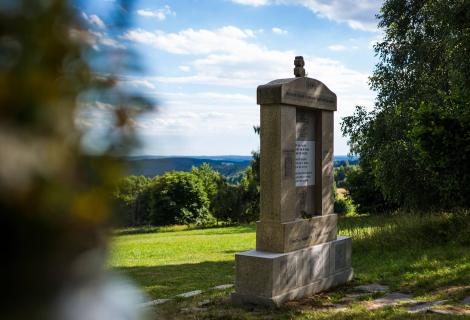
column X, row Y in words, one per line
column 270, row 279
column 293, row 235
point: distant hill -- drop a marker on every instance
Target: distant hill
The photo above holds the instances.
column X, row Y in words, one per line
column 230, row 166
column 339, row 160
column 232, row 158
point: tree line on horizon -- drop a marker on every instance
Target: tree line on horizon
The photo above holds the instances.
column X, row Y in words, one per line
column 201, row 197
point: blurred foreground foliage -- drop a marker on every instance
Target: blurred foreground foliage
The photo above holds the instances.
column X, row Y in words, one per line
column 54, row 198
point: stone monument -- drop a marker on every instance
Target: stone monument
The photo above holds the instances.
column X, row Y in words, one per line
column 297, row 250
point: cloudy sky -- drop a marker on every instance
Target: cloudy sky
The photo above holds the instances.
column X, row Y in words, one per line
column 204, row 59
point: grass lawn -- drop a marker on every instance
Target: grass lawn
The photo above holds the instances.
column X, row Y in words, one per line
column 410, row 254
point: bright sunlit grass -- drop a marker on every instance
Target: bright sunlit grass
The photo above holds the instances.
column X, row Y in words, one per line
column 400, row 251
column 169, row 263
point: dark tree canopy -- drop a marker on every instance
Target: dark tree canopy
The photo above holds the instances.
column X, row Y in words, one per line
column 415, row 144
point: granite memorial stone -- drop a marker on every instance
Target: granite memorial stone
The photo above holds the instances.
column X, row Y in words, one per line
column 297, row 250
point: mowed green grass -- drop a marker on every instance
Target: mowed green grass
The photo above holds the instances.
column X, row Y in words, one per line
column 400, row 251
column 168, row 263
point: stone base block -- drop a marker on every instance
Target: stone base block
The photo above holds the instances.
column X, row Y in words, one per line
column 266, row 278
column 294, row 235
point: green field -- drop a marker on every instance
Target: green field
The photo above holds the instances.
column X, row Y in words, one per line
column 409, row 253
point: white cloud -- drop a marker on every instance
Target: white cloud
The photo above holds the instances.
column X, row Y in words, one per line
column 184, row 68
column 190, row 41
column 337, row 47
column 252, row 2
column 103, row 39
column 358, row 14
column 93, row 19
column 278, row 31
column 138, row 83
column 159, row 14
column 186, row 113
column 230, row 57
column 200, row 99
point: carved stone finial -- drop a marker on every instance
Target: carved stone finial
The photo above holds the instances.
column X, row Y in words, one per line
column 299, row 70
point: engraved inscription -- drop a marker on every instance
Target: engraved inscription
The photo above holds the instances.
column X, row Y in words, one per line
column 308, row 98
column 304, row 163
column 304, row 239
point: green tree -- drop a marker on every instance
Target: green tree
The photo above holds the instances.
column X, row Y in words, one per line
column 178, row 197
column 414, row 145
column 250, row 187
column 212, row 181
column 132, row 200
column 228, row 204
column 362, row 190
column 340, row 175
column 250, row 195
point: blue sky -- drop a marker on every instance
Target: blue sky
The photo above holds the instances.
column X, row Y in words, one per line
column 203, row 60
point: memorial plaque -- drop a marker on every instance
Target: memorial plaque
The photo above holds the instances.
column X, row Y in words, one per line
column 304, row 163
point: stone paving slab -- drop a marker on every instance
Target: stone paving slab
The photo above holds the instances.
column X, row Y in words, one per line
column 451, row 310
column 423, row 306
column 390, row 299
column 189, row 294
column 223, row 287
column 372, row 288
column 153, row 303
column 451, row 289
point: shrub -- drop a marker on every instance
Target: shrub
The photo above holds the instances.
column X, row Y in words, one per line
column 228, row 205
column 365, row 195
column 343, row 206
column 178, row 197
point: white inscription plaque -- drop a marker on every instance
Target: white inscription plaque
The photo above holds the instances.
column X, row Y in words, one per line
column 304, row 163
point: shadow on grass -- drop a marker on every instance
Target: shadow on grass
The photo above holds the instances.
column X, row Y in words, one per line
column 413, row 253
column 169, row 280
column 234, row 251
